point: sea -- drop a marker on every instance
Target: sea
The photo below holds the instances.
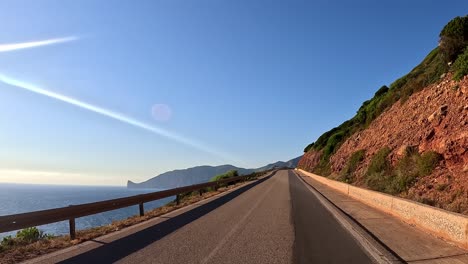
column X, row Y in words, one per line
column 22, row 198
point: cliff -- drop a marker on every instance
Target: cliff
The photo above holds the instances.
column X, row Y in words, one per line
column 410, row 139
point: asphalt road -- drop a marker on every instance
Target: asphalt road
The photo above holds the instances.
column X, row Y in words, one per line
column 276, row 220
column 319, row 237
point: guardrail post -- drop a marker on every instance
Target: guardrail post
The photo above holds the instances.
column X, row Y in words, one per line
column 142, row 209
column 201, row 192
column 178, row 199
column 71, row 222
column 216, row 187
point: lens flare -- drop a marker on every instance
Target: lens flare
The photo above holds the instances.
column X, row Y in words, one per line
column 114, row 115
column 161, row 112
column 33, row 44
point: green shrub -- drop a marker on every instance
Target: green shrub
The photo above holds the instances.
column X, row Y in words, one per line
column 400, row 182
column 321, row 142
column 383, row 90
column 23, row 237
column 332, row 144
column 255, row 175
column 454, row 38
column 379, row 162
column 309, row 147
column 392, row 183
column 229, row 174
column 347, row 174
column 380, row 176
column 323, row 168
column 428, row 162
column 376, row 176
column 31, row 234
column 460, row 67
column 7, row 242
column 377, row 181
column 408, row 164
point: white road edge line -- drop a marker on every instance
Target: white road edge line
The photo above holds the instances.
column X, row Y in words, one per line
column 375, row 253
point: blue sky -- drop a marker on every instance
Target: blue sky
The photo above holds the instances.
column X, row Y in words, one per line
column 247, row 82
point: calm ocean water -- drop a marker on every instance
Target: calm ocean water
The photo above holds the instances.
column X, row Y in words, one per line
column 20, row 198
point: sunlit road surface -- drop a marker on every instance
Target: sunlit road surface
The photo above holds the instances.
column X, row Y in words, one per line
column 276, row 220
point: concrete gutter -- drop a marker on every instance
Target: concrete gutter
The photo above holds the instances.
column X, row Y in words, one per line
column 447, row 225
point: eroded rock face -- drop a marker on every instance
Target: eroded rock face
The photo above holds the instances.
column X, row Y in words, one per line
column 435, row 119
column 309, row 160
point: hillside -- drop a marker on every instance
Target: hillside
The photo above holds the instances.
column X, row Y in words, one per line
column 280, row 164
column 177, row 178
column 201, row 174
column 410, row 139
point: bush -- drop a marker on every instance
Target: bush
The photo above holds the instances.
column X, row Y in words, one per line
column 405, row 172
column 427, row 163
column 383, row 90
column 377, row 181
column 23, row 237
column 460, row 67
column 454, row 38
column 323, row 139
column 7, row 242
column 376, row 176
column 380, row 176
column 400, row 182
column 347, row 174
column 379, row 162
column 31, row 234
column 229, row 174
column 323, row 168
column 309, row 147
column 332, row 144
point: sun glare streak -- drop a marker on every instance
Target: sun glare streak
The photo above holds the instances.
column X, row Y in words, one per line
column 114, row 115
column 33, row 44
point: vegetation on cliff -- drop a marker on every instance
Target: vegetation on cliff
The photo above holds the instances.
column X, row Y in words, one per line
column 453, row 40
column 382, row 176
column 408, row 144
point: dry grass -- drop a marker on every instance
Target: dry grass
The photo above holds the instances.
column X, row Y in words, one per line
column 22, row 252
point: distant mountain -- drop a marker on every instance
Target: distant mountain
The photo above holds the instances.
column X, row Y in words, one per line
column 177, row 178
column 280, row 164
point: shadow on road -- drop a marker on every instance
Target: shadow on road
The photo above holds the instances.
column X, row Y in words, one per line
column 123, row 247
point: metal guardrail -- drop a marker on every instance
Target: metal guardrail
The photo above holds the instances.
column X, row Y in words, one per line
column 70, row 213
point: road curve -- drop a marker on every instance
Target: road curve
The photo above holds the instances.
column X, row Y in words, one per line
column 276, row 220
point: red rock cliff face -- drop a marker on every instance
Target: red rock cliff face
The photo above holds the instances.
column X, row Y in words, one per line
column 309, row 160
column 434, row 119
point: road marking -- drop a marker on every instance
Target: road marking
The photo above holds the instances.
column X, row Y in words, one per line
column 238, row 225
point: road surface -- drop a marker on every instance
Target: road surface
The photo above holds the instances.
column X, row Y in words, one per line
column 275, row 220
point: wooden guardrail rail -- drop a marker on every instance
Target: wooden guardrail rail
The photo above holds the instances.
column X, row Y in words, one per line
column 70, row 213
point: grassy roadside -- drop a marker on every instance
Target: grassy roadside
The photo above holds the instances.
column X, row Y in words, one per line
column 31, row 242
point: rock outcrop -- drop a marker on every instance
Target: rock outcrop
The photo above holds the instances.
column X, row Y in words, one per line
column 309, row 160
